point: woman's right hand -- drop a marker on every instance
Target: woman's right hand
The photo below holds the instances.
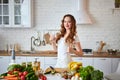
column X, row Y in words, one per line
column 52, row 37
column 53, row 41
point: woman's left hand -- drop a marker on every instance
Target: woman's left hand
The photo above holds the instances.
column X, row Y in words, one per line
column 69, row 49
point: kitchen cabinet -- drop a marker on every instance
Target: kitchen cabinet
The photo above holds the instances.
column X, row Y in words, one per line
column 40, row 59
column 50, row 61
column 4, row 63
column 16, row 13
column 103, row 64
column 114, row 64
column 85, row 61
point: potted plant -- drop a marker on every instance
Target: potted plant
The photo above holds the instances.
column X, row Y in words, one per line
column 117, row 3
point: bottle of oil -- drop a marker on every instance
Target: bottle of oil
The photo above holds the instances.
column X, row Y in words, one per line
column 36, row 66
column 12, row 57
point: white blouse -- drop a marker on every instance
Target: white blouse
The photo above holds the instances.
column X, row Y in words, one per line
column 63, row 57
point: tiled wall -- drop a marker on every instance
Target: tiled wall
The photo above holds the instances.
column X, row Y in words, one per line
column 48, row 15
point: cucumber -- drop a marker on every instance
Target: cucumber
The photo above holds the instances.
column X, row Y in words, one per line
column 3, row 74
column 30, row 74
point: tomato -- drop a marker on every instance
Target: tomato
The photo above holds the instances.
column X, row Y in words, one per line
column 22, row 77
column 43, row 77
column 20, row 74
column 25, row 73
column 10, row 72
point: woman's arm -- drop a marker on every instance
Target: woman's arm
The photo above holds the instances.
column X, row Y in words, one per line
column 76, row 50
column 54, row 45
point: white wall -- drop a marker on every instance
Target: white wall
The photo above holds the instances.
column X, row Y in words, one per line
column 48, row 15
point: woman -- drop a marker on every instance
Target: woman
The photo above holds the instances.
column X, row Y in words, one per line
column 66, row 42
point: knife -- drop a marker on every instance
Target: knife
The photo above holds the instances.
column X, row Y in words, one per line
column 53, row 70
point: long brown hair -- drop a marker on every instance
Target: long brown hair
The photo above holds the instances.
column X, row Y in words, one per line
column 70, row 38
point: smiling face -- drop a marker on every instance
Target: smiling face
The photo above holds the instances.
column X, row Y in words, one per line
column 68, row 26
column 67, row 23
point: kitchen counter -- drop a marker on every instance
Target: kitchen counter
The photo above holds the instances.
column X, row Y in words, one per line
column 54, row 54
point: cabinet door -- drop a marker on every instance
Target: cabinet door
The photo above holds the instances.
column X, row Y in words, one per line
column 114, row 65
column 40, row 59
column 85, row 61
column 16, row 13
column 4, row 63
column 4, row 13
column 50, row 61
column 22, row 13
column 103, row 64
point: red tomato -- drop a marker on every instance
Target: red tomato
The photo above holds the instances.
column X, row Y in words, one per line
column 25, row 73
column 20, row 74
column 43, row 77
column 22, row 77
column 10, row 72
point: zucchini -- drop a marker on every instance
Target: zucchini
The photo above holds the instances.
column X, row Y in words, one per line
column 30, row 74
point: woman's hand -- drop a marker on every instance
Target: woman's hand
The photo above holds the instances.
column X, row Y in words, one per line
column 70, row 50
column 53, row 41
column 52, row 38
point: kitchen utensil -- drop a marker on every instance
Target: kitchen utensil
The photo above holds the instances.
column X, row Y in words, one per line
column 102, row 44
column 52, row 70
column 112, row 51
column 37, row 42
column 87, row 50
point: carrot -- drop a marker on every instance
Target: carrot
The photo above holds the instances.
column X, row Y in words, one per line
column 8, row 76
column 11, row 78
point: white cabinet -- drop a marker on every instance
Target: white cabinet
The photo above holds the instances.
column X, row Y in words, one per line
column 85, row 61
column 50, row 61
column 4, row 63
column 103, row 64
column 114, row 64
column 40, row 59
column 16, row 13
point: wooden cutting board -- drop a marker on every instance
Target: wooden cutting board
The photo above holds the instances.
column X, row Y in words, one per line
column 58, row 70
